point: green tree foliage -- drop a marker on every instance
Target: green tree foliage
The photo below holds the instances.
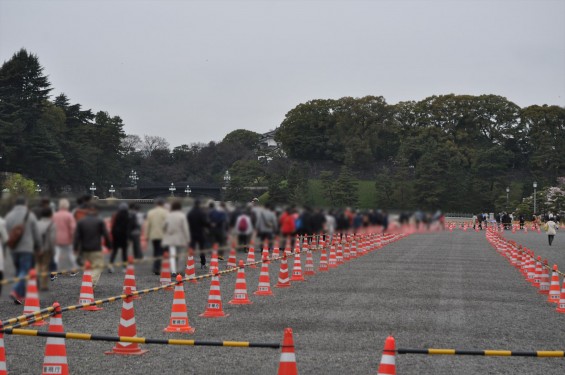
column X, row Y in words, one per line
column 345, row 188
column 19, row 185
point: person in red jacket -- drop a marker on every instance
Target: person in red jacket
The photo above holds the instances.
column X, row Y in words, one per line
column 288, row 226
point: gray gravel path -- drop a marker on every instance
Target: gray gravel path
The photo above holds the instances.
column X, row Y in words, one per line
column 442, row 290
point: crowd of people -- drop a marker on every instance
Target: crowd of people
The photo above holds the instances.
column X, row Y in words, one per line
column 50, row 233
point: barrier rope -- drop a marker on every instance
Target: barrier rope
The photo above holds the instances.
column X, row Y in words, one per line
column 14, row 280
column 50, row 309
column 488, row 353
column 139, row 340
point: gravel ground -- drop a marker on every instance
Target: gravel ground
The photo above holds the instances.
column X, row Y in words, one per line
column 441, row 290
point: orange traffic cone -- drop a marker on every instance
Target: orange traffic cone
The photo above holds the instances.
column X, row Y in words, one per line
column 189, row 272
column 165, row 278
column 309, row 267
column 127, row 328
column 297, row 269
column 346, row 253
column 240, row 296
column 86, row 291
column 353, row 249
column 561, row 305
column 214, row 260
column 544, row 281
column 284, row 280
column 388, row 363
column 276, row 249
column 3, row 369
column 129, row 280
column 554, row 291
column 323, row 261
column 179, row 316
column 264, row 287
column 537, row 277
column 339, row 254
column 55, row 359
column 32, row 297
column 251, row 257
column 333, row 261
column 214, row 307
column 232, row 258
column 287, row 364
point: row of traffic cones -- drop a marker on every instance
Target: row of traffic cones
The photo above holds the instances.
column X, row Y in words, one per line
column 534, row 270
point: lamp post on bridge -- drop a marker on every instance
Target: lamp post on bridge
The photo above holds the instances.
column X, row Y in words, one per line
column 227, row 179
column 535, row 187
column 172, row 189
column 507, row 192
column 92, row 189
column 187, row 190
column 112, row 191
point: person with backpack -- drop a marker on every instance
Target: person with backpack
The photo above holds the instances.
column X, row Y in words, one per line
column 47, row 233
column 23, row 242
column 88, row 240
column 244, row 229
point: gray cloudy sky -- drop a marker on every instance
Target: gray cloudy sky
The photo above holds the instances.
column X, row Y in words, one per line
column 191, row 71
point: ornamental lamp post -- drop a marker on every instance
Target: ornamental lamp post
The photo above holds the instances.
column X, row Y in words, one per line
column 112, row 191
column 535, row 187
column 507, row 192
column 172, row 189
column 187, row 190
column 92, row 188
column 38, row 189
column 227, row 178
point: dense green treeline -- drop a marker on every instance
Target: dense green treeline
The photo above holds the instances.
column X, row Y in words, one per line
column 457, row 152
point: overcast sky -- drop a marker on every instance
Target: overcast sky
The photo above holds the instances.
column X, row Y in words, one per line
column 192, row 71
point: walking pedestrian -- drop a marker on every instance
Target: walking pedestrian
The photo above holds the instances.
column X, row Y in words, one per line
column 88, row 240
column 135, row 223
column 265, row 224
column 44, row 257
column 23, row 250
column 155, row 224
column 120, row 235
column 244, row 229
column 551, row 228
column 176, row 234
column 65, row 226
column 218, row 220
column 198, row 224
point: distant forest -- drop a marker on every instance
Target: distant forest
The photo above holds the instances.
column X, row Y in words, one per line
column 455, row 152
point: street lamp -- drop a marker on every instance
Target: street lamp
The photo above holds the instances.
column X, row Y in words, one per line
column 535, row 187
column 227, row 178
column 133, row 177
column 38, row 189
column 92, row 188
column 187, row 190
column 172, row 189
column 112, row 191
column 507, row 191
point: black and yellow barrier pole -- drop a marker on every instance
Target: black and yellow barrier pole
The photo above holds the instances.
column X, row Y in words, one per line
column 138, row 340
column 487, row 353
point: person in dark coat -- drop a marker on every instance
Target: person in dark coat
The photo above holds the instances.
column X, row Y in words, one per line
column 198, row 223
column 121, row 228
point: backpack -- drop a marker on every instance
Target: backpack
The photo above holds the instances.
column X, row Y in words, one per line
column 16, row 233
column 243, row 224
column 46, row 243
